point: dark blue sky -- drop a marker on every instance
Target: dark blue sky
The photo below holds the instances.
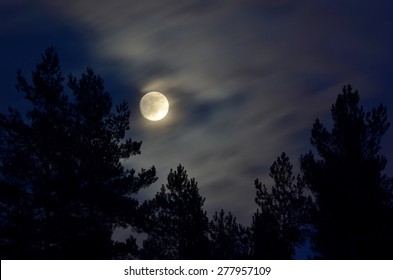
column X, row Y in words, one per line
column 245, row 79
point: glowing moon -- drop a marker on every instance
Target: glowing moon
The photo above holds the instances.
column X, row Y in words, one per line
column 154, row 106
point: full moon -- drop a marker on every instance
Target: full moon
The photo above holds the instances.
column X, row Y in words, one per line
column 154, row 106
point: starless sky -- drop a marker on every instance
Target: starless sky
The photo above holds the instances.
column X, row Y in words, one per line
column 245, row 79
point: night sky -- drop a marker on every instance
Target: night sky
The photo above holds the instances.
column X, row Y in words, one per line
column 245, row 79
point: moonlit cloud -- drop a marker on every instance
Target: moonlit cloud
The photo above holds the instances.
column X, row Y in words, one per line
column 245, row 79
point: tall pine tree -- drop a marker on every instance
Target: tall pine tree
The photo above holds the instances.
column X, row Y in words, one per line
column 177, row 224
column 63, row 187
column 280, row 223
column 354, row 217
column 229, row 239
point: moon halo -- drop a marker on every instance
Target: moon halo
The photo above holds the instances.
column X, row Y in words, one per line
column 154, row 106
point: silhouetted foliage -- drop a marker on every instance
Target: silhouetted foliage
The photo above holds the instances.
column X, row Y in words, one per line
column 63, row 187
column 229, row 240
column 354, row 217
column 280, row 222
column 126, row 250
column 177, row 225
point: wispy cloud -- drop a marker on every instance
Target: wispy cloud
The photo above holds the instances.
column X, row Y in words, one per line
column 245, row 78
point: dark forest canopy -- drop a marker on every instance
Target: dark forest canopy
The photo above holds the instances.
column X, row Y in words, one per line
column 63, row 189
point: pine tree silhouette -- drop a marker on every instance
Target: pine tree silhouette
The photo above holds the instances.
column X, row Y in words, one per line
column 354, row 217
column 63, row 187
column 177, row 224
column 280, row 223
column 229, row 240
